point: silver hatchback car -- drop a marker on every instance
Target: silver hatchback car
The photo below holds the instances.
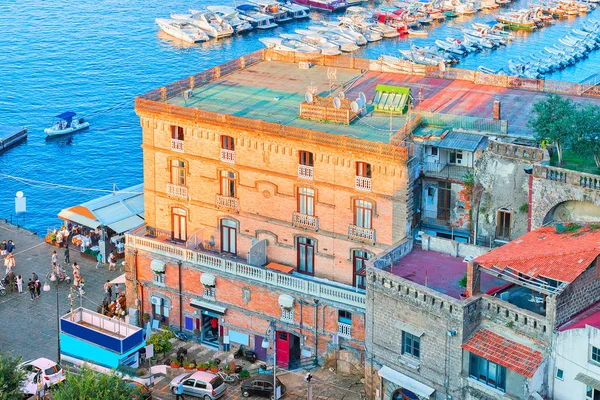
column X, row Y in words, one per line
column 201, row 384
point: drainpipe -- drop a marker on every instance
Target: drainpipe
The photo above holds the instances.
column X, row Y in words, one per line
column 316, row 361
column 139, row 287
column 179, row 264
column 529, row 171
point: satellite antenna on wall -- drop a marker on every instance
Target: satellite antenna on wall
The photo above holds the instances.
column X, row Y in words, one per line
column 309, row 97
column 331, row 74
column 342, row 95
column 355, row 107
column 337, row 103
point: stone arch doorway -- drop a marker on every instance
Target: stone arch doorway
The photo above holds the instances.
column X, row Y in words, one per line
column 573, row 210
column 404, row 394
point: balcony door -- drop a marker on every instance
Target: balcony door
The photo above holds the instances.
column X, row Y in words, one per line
column 229, row 236
column 306, row 201
column 359, row 261
column 443, row 204
column 306, row 256
column 179, row 224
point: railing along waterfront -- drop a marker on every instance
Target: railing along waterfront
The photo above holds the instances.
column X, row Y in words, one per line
column 345, row 295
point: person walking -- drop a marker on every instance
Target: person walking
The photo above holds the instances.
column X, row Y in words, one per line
column 34, row 276
column 10, row 246
column 19, row 284
column 12, row 281
column 112, row 265
column 179, row 392
column 3, row 248
column 31, row 287
column 67, row 255
column 38, row 287
column 108, row 290
column 9, row 263
column 54, row 258
column 99, row 259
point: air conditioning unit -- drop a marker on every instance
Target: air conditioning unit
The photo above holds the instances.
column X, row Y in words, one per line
column 188, row 93
column 157, row 301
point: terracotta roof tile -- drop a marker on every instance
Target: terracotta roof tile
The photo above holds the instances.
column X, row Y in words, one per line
column 512, row 355
column 544, row 252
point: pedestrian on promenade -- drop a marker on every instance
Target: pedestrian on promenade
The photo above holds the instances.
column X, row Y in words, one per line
column 67, row 255
column 9, row 263
column 99, row 259
column 81, row 284
column 10, row 246
column 117, row 290
column 34, row 276
column 76, row 273
column 54, row 258
column 3, row 248
column 20, row 283
column 112, row 265
column 38, row 287
column 59, row 238
column 31, row 287
column 66, row 235
column 11, row 280
column 108, row 290
column 179, row 392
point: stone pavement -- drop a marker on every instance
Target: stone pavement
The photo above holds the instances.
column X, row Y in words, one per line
column 28, row 328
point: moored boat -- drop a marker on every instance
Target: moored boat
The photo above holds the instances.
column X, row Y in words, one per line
column 182, row 30
column 66, row 124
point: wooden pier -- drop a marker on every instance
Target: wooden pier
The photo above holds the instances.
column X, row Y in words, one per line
column 11, row 135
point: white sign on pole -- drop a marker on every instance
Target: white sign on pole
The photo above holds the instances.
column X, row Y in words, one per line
column 150, row 351
column 20, row 202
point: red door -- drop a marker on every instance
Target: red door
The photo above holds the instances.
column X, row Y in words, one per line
column 283, row 349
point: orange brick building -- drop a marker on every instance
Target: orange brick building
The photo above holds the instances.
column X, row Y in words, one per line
column 254, row 215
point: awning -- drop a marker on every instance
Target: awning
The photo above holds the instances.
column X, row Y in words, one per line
column 208, row 306
column 407, row 328
column 405, row 382
column 208, row 279
column 69, row 214
column 588, row 380
column 286, row 301
column 119, row 279
column 126, row 224
column 460, row 141
column 157, row 266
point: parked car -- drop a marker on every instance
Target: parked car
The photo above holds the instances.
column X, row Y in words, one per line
column 49, row 371
column 144, row 391
column 244, row 352
column 201, row 384
column 261, row 385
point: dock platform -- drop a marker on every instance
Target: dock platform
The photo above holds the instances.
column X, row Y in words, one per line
column 11, row 135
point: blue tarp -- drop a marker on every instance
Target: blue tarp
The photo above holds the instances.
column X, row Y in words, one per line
column 246, row 7
column 66, row 115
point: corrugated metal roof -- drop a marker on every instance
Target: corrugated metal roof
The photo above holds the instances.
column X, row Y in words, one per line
column 460, row 141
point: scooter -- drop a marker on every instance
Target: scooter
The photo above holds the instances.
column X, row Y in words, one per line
column 61, row 276
column 2, row 289
column 246, row 353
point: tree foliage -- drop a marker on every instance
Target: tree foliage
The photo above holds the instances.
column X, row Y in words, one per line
column 553, row 120
column 11, row 377
column 88, row 384
column 586, row 132
column 161, row 342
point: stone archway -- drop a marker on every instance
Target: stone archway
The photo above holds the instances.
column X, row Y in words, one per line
column 573, row 210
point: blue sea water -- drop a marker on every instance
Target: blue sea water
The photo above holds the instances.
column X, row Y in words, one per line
column 94, row 57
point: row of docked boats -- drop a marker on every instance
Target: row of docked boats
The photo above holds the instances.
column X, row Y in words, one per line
column 569, row 50
column 540, row 15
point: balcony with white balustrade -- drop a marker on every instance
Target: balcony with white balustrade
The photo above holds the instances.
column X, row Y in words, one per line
column 228, row 156
column 362, row 183
column 305, row 221
column 306, row 172
column 361, row 234
column 178, row 191
column 177, row 145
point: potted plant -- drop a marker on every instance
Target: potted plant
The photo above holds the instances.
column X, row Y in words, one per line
column 463, row 284
column 175, row 364
column 197, row 332
column 146, row 318
column 187, row 365
column 213, row 367
column 244, row 374
column 203, row 367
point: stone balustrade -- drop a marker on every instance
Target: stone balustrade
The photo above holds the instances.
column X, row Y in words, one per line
column 568, row 176
column 526, row 153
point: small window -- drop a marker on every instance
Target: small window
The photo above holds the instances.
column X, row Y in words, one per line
column 178, row 172
column 159, row 279
column 363, row 169
column 411, row 345
column 363, row 213
column 595, row 354
column 177, row 132
column 503, row 222
column 228, row 180
column 559, row 374
column 487, row 372
column 434, row 151
column 209, row 293
column 200, row 385
column 227, row 143
column 456, row 157
column 306, row 158
column 345, row 317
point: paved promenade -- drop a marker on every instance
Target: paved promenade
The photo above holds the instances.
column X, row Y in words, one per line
column 28, row 328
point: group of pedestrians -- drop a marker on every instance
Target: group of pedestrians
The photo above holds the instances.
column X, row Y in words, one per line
column 11, row 279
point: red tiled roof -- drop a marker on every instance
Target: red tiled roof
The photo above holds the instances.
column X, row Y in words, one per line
column 509, row 354
column 544, row 252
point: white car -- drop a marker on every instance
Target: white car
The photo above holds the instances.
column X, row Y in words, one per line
column 200, row 384
column 50, row 372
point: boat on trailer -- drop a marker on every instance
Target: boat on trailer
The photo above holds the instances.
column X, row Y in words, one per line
column 66, row 124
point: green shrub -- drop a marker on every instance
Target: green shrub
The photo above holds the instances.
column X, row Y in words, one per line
column 244, row 373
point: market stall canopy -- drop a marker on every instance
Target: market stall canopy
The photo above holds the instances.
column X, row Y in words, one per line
column 118, row 279
column 121, row 211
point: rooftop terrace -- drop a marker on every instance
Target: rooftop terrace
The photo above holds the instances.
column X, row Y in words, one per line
column 269, row 86
column 438, row 271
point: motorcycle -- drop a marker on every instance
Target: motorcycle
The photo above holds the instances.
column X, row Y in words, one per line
column 61, row 276
column 246, row 353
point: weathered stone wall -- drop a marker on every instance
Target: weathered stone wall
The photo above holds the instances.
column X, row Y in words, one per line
column 504, row 185
column 579, row 295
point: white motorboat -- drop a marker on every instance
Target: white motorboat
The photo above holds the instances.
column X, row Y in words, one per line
column 66, row 124
column 259, row 20
column 230, row 15
column 418, row 32
column 344, row 44
column 282, row 44
column 272, row 8
column 209, row 22
column 296, row 11
column 182, row 30
column 450, row 47
column 319, row 42
column 357, row 17
column 346, row 32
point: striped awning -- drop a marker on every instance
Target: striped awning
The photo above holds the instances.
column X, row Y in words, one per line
column 588, row 380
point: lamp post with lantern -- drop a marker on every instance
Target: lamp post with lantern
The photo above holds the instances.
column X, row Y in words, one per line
column 265, row 345
column 54, row 278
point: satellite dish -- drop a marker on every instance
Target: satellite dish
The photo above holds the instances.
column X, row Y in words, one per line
column 342, row 96
column 359, row 103
column 362, row 98
column 355, row 107
column 309, row 97
column 337, row 103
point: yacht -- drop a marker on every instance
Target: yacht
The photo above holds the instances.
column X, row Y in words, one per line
column 209, row 22
column 296, row 11
column 319, row 42
column 323, row 5
column 291, row 45
column 345, row 44
column 272, row 8
column 230, row 15
column 252, row 14
column 182, row 30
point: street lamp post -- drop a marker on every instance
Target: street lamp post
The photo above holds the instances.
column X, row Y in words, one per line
column 54, row 278
column 265, row 345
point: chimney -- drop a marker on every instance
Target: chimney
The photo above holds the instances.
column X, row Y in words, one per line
column 496, row 109
column 473, row 279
